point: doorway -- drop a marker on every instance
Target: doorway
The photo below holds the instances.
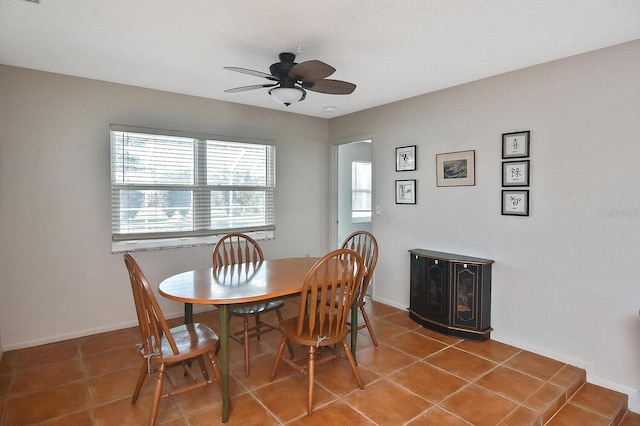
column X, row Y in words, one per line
column 354, row 189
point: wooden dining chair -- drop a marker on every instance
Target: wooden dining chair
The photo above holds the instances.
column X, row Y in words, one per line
column 365, row 244
column 163, row 348
column 337, row 276
column 233, row 249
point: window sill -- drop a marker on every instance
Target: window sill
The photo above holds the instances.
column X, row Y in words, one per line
column 173, row 243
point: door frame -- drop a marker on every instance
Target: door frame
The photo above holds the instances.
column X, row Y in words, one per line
column 335, row 145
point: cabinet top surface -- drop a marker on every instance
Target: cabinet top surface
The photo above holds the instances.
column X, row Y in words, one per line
column 449, row 256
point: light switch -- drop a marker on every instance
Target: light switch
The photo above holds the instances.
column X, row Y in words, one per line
column 378, row 210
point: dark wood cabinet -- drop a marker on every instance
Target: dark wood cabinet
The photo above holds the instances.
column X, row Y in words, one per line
column 451, row 293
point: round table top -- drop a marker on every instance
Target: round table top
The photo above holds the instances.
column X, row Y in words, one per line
column 242, row 283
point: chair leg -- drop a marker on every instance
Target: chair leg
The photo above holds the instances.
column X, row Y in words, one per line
column 311, row 375
column 352, row 362
column 215, row 369
column 141, row 377
column 156, row 396
column 369, row 326
column 278, row 357
column 203, row 368
column 279, row 314
column 246, row 346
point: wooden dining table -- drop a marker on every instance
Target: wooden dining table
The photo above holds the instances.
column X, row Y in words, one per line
column 237, row 285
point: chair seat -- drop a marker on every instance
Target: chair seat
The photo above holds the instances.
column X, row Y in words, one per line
column 289, row 329
column 191, row 340
column 256, row 309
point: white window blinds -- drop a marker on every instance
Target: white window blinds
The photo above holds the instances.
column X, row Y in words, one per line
column 178, row 185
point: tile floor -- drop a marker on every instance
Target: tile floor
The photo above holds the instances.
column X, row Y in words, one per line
column 414, row 377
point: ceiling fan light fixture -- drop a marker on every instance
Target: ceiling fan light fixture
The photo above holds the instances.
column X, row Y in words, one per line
column 287, row 95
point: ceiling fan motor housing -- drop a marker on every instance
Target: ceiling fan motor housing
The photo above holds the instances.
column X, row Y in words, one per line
column 280, row 70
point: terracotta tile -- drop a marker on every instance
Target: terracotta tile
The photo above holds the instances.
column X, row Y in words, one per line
column 7, row 362
column 287, row 398
column 462, row 364
column 81, row 418
column 384, row 359
column 90, row 380
column 448, row 340
column 547, row 401
column 489, row 349
column 123, row 412
column 245, row 410
column 364, row 339
column 600, row 400
column 437, row 416
column 208, row 397
column 105, row 342
column 570, row 378
column 386, row 403
column 386, row 330
column 261, row 366
column 427, row 381
column 522, row 416
column 537, row 365
column 338, row 378
column 336, row 413
column 571, row 415
column 401, row 318
column 617, row 420
column 47, row 376
column 47, row 404
column 6, row 381
column 378, row 309
column 510, row 383
column 479, row 406
column 117, row 385
column 45, row 354
column 111, row 361
column 415, row 344
column 630, row 419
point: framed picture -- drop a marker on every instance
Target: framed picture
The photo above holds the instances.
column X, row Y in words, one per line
column 456, row 169
column 406, row 191
column 515, row 202
column 515, row 173
column 406, row 158
column 515, row 145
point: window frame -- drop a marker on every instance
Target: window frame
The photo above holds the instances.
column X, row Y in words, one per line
column 355, row 190
column 201, row 195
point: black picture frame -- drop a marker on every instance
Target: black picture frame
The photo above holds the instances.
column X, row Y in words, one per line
column 406, row 158
column 515, row 173
column 516, row 144
column 406, row 191
column 515, row 202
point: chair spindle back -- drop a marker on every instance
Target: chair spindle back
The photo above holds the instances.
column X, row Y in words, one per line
column 337, row 276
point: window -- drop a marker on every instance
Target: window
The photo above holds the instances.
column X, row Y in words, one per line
column 170, row 185
column 360, row 191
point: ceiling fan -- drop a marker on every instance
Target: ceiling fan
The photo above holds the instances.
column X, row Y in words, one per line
column 291, row 80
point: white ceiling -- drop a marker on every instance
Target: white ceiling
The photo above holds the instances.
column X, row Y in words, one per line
column 392, row 49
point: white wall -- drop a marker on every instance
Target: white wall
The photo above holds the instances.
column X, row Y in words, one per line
column 59, row 279
column 565, row 281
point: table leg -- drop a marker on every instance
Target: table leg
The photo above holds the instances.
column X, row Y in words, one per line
column 354, row 328
column 224, row 359
column 188, row 313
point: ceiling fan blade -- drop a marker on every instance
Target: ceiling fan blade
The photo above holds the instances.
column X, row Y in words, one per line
column 332, row 87
column 311, row 71
column 245, row 88
column 252, row 72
